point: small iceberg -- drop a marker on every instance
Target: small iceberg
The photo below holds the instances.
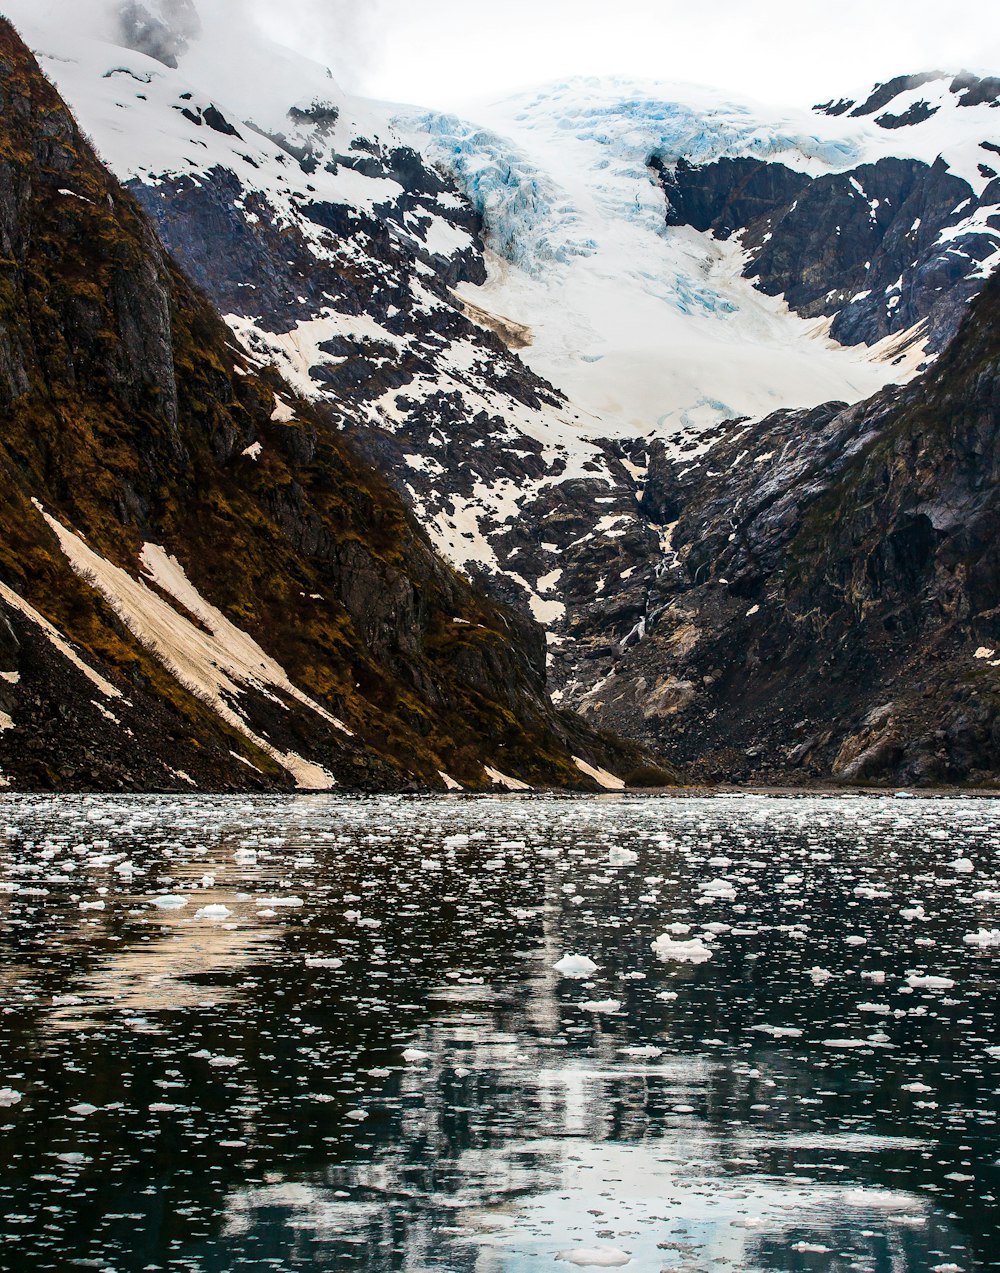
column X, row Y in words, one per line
column 576, row 966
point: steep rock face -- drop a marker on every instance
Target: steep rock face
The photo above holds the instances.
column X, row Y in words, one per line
column 829, row 606
column 200, row 584
column 896, row 245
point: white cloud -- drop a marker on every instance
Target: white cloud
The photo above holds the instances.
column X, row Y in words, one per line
column 440, row 51
column 447, row 52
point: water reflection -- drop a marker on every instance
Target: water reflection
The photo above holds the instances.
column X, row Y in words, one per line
column 330, row 1033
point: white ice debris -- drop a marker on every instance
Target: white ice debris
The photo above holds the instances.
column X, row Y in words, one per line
column 601, row 1005
column 215, row 911
column 170, row 902
column 918, row 981
column 413, row 1056
column 598, row 1257
column 9, row 1097
column 693, row 951
column 618, row 856
column 962, row 866
column 576, row 966
column 723, row 890
column 985, row 938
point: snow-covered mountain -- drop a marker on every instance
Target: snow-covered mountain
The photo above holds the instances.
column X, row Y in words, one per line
column 201, row 584
column 659, row 328
column 512, row 313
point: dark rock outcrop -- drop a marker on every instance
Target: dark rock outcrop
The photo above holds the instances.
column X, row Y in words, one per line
column 830, row 605
column 867, row 248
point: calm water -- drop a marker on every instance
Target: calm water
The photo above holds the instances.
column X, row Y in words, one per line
column 330, row 1033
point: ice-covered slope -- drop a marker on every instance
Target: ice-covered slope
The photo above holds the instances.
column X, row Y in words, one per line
column 505, row 320
column 655, row 327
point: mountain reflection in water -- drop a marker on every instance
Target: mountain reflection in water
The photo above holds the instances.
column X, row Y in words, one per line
column 329, row 1033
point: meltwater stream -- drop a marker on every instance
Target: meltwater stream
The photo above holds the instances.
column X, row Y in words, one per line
column 434, row 1034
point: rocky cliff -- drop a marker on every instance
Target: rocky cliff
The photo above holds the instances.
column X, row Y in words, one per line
column 893, row 245
column 829, row 602
column 201, row 585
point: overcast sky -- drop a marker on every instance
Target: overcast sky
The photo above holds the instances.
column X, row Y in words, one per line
column 440, row 52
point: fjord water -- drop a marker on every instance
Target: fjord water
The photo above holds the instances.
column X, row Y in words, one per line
column 329, row 1033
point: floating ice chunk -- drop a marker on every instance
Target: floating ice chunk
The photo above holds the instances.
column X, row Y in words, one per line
column 83, row 1109
column 169, row 902
column 917, row 1087
column 318, row 962
column 412, row 1055
column 357, row 1115
column 918, row 982
column 601, row 1005
column 855, row 940
column 693, row 951
column 597, row 1257
column 577, row 966
column 273, row 902
column 962, row 866
column 819, row 975
column 985, row 938
column 642, row 1051
column 814, row 1248
column 987, row 895
column 93, row 906
column 9, row 1097
column 778, row 1031
column 216, row 911
column 993, row 1052
column 722, row 889
column 224, row 1062
column 622, row 857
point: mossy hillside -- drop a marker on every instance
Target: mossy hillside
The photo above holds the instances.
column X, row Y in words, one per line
column 126, row 411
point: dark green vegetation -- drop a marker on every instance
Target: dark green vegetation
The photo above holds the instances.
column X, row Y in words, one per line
column 126, row 411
